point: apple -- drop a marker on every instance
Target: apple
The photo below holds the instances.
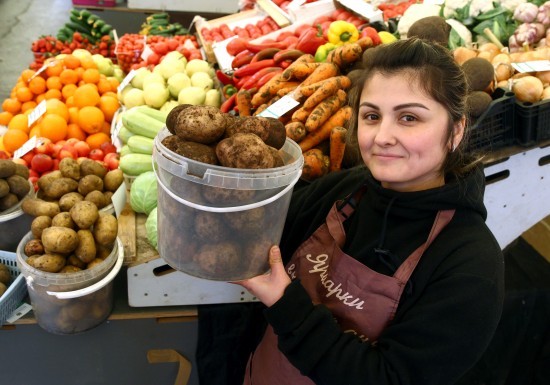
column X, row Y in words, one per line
column 56, row 164
column 134, row 97
column 20, row 161
column 202, row 80
column 34, row 173
column 178, row 82
column 112, row 160
column 107, row 148
column 67, row 151
column 45, row 148
column 96, row 154
column 28, row 156
column 196, row 65
column 4, row 155
column 56, row 148
column 82, row 148
column 72, row 141
column 41, row 163
column 155, row 95
column 34, row 181
column 192, row 95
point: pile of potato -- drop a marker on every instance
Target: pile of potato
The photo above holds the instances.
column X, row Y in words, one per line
column 14, row 184
column 71, row 232
column 5, row 278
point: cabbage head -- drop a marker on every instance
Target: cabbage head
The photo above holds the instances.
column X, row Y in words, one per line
column 151, row 228
column 143, row 193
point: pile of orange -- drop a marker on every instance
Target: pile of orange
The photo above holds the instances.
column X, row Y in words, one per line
column 80, row 103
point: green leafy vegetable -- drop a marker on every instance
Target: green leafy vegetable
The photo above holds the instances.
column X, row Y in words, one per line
column 151, row 228
column 143, row 193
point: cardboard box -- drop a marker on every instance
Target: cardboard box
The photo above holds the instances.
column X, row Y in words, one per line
column 538, row 236
column 210, row 6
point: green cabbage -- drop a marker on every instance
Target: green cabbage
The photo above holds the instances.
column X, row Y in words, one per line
column 143, row 193
column 151, row 228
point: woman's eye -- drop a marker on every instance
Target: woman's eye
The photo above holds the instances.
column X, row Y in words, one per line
column 369, row 116
column 408, row 118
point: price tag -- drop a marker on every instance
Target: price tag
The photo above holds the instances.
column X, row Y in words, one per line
column 279, row 108
column 29, row 145
column 114, row 135
column 37, row 112
column 43, row 68
column 127, row 79
column 19, row 312
column 532, row 66
column 119, row 199
column 146, row 52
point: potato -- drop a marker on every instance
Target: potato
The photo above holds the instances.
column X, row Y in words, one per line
column 51, row 263
column 97, row 198
column 200, row 124
column 73, row 260
column 68, row 269
column 218, row 260
column 5, row 276
column 113, row 179
column 244, row 151
column 90, row 183
column 63, row 219
column 30, row 260
column 8, row 201
column 19, row 186
column 59, row 240
column 94, row 263
column 22, row 170
column 227, row 196
column 172, row 118
column 105, row 229
column 92, row 167
column 279, row 162
column 37, row 207
column 270, row 130
column 46, row 179
column 69, row 168
column 86, row 250
column 210, row 227
column 33, row 247
column 67, row 201
column 59, row 187
column 249, row 222
column 7, row 168
column 3, row 289
column 84, row 214
column 4, row 188
column 192, row 150
column 108, row 197
column 38, row 225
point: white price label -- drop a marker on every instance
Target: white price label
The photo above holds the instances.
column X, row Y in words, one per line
column 127, row 79
column 114, row 135
column 279, row 108
column 43, row 68
column 146, row 52
column 29, row 145
column 532, row 66
column 37, row 112
column 19, row 312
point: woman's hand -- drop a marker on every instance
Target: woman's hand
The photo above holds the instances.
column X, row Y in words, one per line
column 269, row 287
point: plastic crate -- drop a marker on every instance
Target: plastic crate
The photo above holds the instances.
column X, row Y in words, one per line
column 17, row 290
column 532, row 122
column 495, row 128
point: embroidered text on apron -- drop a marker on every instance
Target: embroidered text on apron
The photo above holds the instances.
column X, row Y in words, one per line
column 362, row 300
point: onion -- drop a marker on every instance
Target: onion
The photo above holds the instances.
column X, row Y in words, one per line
column 487, row 55
column 501, row 58
column 505, row 85
column 503, row 71
column 544, row 77
column 528, row 89
column 489, row 47
column 461, row 54
column 546, row 93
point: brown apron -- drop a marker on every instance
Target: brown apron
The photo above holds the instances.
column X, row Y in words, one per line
column 360, row 299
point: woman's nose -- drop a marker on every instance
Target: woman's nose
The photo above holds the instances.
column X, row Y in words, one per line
column 385, row 133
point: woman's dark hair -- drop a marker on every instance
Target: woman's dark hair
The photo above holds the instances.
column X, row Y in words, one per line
column 433, row 67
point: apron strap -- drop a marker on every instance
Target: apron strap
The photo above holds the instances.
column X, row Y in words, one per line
column 341, row 211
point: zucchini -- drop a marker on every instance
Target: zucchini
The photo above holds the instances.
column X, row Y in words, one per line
column 153, row 113
column 84, row 15
column 140, row 144
column 124, row 134
column 92, row 19
column 77, row 27
column 141, row 124
column 124, row 150
column 135, row 164
column 106, row 29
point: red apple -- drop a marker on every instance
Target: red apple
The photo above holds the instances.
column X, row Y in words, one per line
column 21, row 161
column 33, row 173
column 34, row 181
column 112, row 160
column 45, row 148
column 4, row 155
column 82, row 148
column 96, row 154
column 72, row 141
column 28, row 157
column 56, row 149
column 107, row 147
column 68, row 151
column 56, row 162
column 41, row 163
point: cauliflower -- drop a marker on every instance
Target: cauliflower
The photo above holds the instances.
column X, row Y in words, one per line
column 455, row 9
column 511, row 5
column 413, row 13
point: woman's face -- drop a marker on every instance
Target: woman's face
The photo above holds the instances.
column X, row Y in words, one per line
column 402, row 133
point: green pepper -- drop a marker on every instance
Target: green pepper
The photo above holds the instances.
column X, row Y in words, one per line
column 228, row 90
column 340, row 32
column 322, row 52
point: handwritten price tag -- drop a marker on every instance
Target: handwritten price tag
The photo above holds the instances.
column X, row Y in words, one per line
column 29, row 145
column 532, row 66
column 146, row 52
column 127, row 79
column 37, row 112
column 279, row 108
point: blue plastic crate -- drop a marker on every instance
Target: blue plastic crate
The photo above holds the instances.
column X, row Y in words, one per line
column 17, row 290
column 532, row 122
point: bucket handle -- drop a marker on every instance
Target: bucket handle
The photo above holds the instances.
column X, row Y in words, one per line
column 229, row 209
column 96, row 286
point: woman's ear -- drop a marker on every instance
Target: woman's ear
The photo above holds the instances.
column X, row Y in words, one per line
column 458, row 133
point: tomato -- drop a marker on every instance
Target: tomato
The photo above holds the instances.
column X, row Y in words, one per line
column 41, row 163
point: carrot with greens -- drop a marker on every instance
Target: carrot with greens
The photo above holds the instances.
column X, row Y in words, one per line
column 337, row 147
column 322, row 72
column 316, row 164
column 295, row 131
column 324, row 110
column 312, row 139
column 346, row 54
column 328, row 88
column 244, row 102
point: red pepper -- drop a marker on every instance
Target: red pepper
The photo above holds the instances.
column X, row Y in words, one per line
column 251, row 82
column 283, row 35
column 310, row 40
column 266, row 53
column 242, row 58
column 224, row 78
column 264, row 79
column 236, row 46
column 260, row 46
column 287, row 54
column 228, row 104
column 372, row 33
column 252, row 68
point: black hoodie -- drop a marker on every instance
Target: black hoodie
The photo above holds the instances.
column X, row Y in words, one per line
column 451, row 306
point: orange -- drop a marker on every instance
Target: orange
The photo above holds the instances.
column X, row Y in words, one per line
column 68, row 76
column 103, row 86
column 109, row 105
column 86, row 95
column 69, row 102
column 56, row 106
column 68, row 90
column 28, row 105
column 91, row 119
column 53, row 127
column 35, row 131
column 13, row 139
column 111, row 93
column 71, row 62
column 88, row 62
column 40, row 97
column 53, row 94
column 106, row 128
column 27, row 74
column 79, row 71
column 37, row 85
column 24, row 94
column 73, row 115
column 19, row 122
column 55, row 68
column 91, row 75
column 74, row 131
column 11, row 105
column 5, row 117
column 54, row 83
column 97, row 139
column 114, row 83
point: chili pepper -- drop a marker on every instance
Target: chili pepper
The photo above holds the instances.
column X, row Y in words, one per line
column 241, row 81
column 266, row 53
column 224, row 78
column 323, row 51
column 228, row 104
column 287, row 54
column 283, row 35
column 373, row 34
column 228, row 90
column 310, row 40
column 252, row 68
column 264, row 79
column 242, row 58
column 341, row 32
column 266, row 44
column 251, row 82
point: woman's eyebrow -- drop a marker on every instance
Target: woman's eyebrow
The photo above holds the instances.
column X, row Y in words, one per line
column 396, row 108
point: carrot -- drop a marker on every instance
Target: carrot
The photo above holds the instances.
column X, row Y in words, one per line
column 263, row 96
column 328, row 88
column 310, row 89
column 316, row 164
column 300, row 115
column 299, row 71
column 305, row 58
column 295, row 131
column 337, row 147
column 244, row 102
column 365, row 42
column 322, row 72
column 312, row 139
column 286, row 90
column 324, row 110
column 344, row 55
column 260, row 109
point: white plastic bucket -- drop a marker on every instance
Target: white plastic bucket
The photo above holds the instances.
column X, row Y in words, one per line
column 14, row 224
column 216, row 222
column 68, row 303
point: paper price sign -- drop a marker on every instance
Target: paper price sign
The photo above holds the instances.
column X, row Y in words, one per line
column 279, row 108
column 37, row 112
column 532, row 66
column 127, row 79
column 146, row 52
column 29, row 145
